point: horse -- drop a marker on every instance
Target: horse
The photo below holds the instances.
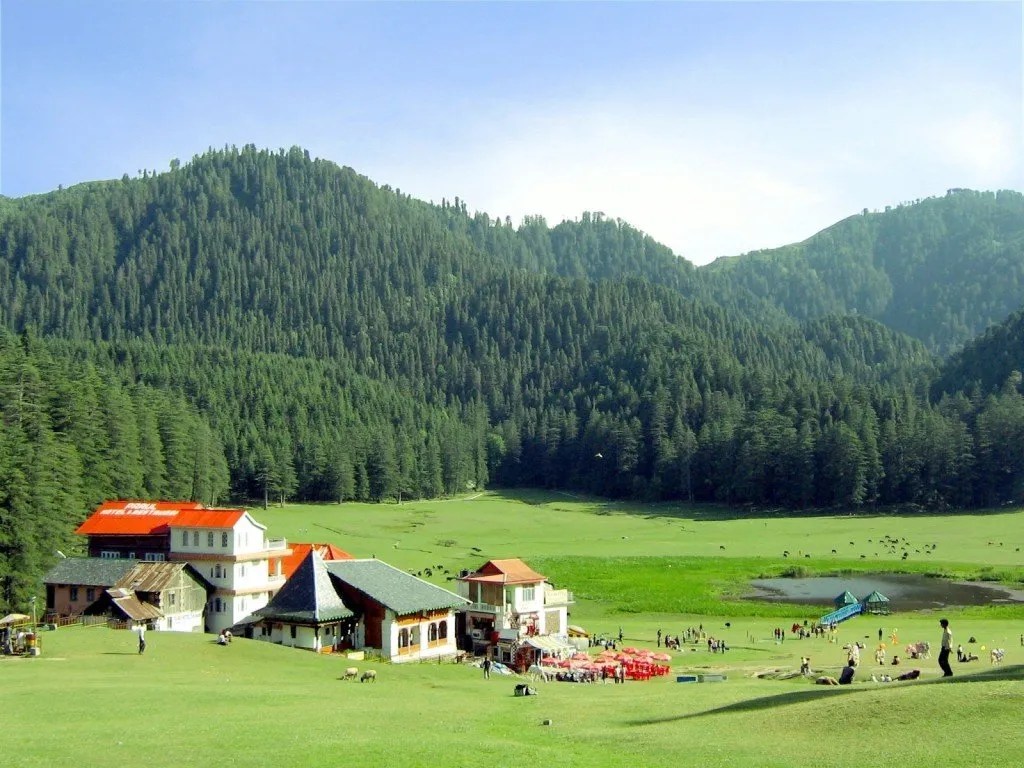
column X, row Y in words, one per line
column 537, row 671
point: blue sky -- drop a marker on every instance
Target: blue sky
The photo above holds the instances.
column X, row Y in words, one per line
column 716, row 127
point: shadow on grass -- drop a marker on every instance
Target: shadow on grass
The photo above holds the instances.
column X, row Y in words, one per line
column 1014, row 672
column 711, row 511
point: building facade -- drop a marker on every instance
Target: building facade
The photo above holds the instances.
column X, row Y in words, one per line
column 227, row 547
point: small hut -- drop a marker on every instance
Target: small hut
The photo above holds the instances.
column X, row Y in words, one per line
column 876, row 602
column 845, row 599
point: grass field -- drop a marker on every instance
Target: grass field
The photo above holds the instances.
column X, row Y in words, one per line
column 90, row 699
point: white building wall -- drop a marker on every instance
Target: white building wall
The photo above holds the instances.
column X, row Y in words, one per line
column 522, row 603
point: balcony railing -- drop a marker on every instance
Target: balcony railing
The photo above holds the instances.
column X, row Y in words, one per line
column 484, row 608
column 274, row 544
column 558, row 597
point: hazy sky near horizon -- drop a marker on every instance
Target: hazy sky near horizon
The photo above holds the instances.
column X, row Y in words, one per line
column 715, row 127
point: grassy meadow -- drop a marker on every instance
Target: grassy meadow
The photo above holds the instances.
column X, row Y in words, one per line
column 90, row 699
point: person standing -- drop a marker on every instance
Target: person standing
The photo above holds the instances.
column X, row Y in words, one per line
column 142, row 640
column 487, row 667
column 659, row 638
column 947, row 646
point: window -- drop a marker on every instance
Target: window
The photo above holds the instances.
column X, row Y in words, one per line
column 184, row 538
column 241, row 570
column 108, row 555
column 224, row 539
column 216, row 570
column 90, row 594
column 74, row 594
column 195, row 538
column 155, row 557
column 529, row 593
column 432, row 633
column 403, row 638
column 171, row 598
column 209, row 538
column 293, row 631
column 218, row 606
column 442, row 630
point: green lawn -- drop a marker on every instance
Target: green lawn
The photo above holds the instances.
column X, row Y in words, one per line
column 90, row 699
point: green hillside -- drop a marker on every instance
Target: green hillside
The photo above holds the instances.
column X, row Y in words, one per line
column 336, row 339
column 941, row 269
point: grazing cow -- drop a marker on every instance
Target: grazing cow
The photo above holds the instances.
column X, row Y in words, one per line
column 351, row 673
column 370, row 674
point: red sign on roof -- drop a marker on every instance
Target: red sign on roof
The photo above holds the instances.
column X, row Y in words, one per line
column 135, row 518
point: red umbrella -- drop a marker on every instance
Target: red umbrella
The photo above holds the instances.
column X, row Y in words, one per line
column 580, row 656
column 565, row 663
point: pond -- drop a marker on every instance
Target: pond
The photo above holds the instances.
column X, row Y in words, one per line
column 906, row 592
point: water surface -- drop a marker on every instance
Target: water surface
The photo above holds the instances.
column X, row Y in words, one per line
column 906, row 592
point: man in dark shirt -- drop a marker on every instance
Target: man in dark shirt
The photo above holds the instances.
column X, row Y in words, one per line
column 846, row 676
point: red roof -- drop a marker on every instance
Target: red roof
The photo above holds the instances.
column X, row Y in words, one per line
column 207, row 518
column 511, row 571
column 299, row 552
column 135, row 518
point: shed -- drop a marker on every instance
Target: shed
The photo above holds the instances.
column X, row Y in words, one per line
column 876, row 602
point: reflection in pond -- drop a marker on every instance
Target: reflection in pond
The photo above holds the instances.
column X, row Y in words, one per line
column 906, row 592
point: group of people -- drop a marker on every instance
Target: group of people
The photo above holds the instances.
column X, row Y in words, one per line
column 692, row 635
column 853, row 659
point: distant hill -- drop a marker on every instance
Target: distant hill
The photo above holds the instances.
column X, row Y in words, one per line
column 941, row 269
column 988, row 362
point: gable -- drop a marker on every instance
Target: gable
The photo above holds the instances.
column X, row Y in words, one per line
column 510, row 571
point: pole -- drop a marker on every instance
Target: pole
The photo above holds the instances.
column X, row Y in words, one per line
column 34, row 625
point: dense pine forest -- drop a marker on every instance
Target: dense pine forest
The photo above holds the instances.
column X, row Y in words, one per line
column 258, row 325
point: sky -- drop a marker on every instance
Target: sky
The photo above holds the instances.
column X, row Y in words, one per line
column 717, row 128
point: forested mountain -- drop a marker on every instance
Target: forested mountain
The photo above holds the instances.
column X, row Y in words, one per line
column 986, row 363
column 70, row 437
column 941, row 269
column 320, row 337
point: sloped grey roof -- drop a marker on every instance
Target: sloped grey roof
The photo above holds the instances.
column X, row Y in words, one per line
column 393, row 588
column 876, row 597
column 308, row 597
column 88, row 571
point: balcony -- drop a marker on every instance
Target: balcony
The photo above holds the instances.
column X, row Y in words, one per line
column 558, row 597
column 484, row 608
column 275, row 544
